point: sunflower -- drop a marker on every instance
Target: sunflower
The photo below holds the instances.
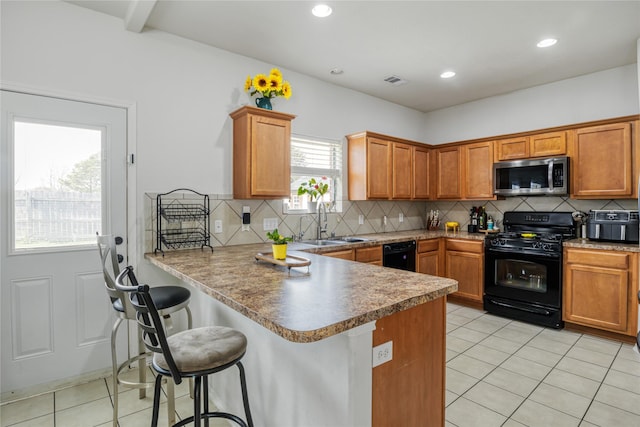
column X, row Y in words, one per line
column 275, row 83
column 286, row 90
column 276, row 73
column 247, row 84
column 261, row 83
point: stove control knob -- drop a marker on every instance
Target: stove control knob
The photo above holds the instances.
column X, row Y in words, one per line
column 495, row 242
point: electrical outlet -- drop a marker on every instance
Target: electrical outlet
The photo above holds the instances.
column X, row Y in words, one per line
column 382, row 353
column 217, row 226
column 270, row 224
column 360, row 219
column 400, row 217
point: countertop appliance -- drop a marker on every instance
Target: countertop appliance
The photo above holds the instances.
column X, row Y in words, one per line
column 523, row 267
column 401, row 255
column 531, row 177
column 613, row 225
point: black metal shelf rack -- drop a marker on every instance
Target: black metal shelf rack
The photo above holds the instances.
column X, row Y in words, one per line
column 182, row 223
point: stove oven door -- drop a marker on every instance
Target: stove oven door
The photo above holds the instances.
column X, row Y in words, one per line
column 523, row 285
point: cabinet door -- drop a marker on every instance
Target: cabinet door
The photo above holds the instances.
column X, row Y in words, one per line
column 478, row 161
column 270, row 157
column 548, row 144
column 464, row 262
column 596, row 296
column 512, row 148
column 602, row 162
column 378, row 168
column 600, row 289
column 421, row 158
column 448, row 180
column 428, row 257
column 402, row 171
column 372, row 255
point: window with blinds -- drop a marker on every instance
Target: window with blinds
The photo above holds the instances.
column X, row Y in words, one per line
column 316, row 158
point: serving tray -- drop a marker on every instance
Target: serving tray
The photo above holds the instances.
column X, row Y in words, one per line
column 290, row 261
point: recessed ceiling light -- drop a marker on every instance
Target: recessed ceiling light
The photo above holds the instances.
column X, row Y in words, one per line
column 321, row 10
column 336, row 71
column 447, row 74
column 547, row 42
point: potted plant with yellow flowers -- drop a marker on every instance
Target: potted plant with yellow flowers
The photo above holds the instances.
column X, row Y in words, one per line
column 315, row 189
column 279, row 245
column 268, row 86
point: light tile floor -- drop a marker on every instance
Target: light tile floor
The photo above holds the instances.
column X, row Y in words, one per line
column 499, row 373
column 507, row 373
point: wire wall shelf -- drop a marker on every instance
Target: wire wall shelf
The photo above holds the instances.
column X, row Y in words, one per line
column 182, row 222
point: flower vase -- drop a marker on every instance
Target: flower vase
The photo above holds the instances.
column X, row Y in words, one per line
column 312, row 206
column 264, row 103
column 279, row 251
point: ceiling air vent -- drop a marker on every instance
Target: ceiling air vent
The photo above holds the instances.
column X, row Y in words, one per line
column 395, row 80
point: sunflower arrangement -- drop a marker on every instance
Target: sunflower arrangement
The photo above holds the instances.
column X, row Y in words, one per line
column 268, row 86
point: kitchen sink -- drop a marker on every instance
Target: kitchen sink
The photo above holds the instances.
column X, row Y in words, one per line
column 354, row 239
column 324, row 242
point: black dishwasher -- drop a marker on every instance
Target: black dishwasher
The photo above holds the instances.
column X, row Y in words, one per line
column 401, row 255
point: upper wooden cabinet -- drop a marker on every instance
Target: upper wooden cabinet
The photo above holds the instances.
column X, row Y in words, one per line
column 448, row 172
column 381, row 167
column 401, row 171
column 261, row 153
column 478, row 171
column 604, row 161
column 465, row 171
column 539, row 145
column 421, row 172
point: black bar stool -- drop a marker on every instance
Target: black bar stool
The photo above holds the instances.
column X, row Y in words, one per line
column 168, row 300
column 195, row 353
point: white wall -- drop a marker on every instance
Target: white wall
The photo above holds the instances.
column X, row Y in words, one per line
column 183, row 91
column 602, row 95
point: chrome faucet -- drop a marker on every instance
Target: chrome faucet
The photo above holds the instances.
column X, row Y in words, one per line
column 322, row 216
column 300, row 232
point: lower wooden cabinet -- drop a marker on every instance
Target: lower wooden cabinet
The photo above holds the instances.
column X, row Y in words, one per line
column 464, row 262
column 348, row 254
column 372, row 255
column 600, row 289
column 429, row 257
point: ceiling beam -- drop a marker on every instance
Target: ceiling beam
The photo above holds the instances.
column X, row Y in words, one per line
column 137, row 14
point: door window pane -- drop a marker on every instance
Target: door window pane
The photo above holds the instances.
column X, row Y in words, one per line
column 57, row 185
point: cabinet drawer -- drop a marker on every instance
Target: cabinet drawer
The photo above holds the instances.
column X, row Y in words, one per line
column 346, row 254
column 369, row 254
column 474, row 246
column 608, row 259
column 428, row 245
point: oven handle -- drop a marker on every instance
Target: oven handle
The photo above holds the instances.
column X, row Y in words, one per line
column 529, row 309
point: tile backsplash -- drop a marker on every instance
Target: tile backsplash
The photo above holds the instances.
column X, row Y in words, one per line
column 229, row 211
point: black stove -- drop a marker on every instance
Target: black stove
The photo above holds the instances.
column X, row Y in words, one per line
column 523, row 266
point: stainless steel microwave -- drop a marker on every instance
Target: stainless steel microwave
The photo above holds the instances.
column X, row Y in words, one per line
column 532, row 177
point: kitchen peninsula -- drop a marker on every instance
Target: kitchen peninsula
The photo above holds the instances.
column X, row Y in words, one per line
column 309, row 359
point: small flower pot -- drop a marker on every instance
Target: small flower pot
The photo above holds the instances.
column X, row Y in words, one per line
column 279, row 251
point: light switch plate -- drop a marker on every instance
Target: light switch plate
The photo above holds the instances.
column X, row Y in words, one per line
column 270, row 224
column 217, row 226
column 360, row 219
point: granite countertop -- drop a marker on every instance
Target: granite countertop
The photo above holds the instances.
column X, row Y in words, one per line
column 333, row 297
column 601, row 245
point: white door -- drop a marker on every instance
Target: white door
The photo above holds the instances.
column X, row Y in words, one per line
column 63, row 178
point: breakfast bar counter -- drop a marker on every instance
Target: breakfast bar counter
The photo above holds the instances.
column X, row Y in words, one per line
column 311, row 331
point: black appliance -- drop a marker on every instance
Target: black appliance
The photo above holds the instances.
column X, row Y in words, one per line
column 401, row 255
column 531, row 177
column 523, row 267
column 613, row 225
